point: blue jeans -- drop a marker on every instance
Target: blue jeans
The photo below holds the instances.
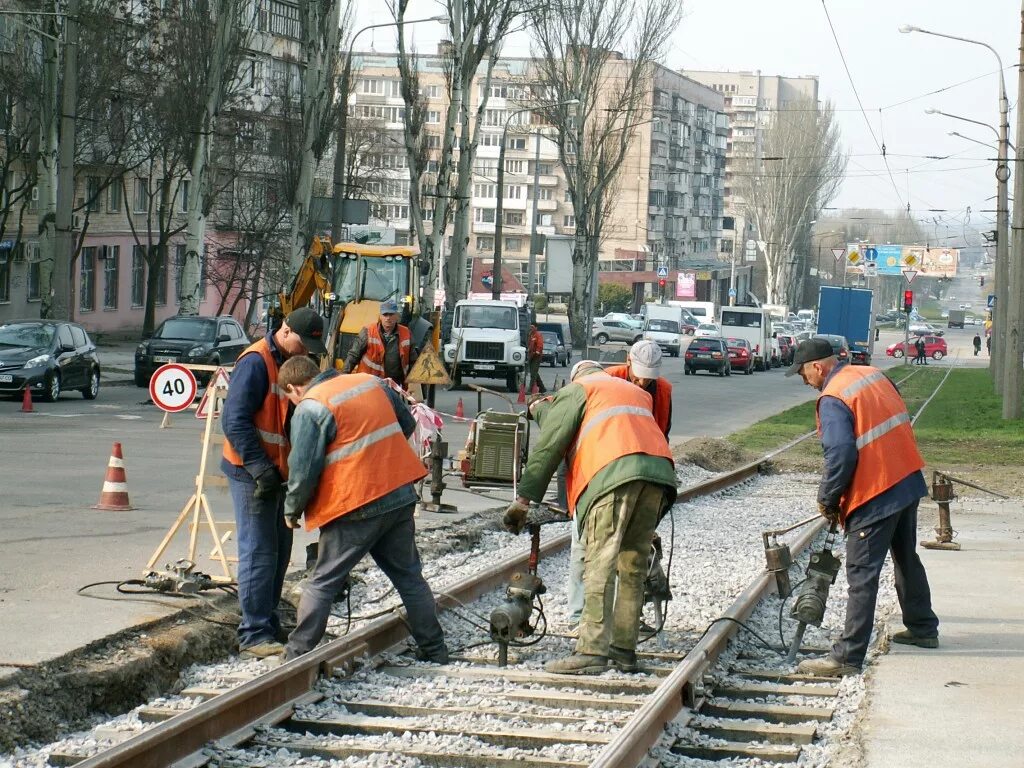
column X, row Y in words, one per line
column 264, row 550
column 390, row 539
column 865, row 554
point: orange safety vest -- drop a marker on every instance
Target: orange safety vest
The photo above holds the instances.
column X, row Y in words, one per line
column 662, row 395
column 886, row 449
column 617, row 421
column 270, row 418
column 372, row 360
column 369, row 456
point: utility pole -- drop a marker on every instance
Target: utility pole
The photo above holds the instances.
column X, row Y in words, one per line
column 1015, row 293
column 61, row 282
column 499, row 212
column 338, row 200
column 1003, row 284
column 532, row 271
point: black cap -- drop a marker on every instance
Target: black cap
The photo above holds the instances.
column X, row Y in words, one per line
column 310, row 328
column 808, row 352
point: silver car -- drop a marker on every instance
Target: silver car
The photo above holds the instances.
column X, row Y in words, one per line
column 606, row 330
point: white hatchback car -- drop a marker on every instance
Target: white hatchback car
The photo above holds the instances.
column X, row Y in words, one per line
column 707, row 331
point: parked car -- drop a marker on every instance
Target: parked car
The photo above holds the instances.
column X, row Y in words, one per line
column 741, row 356
column 840, row 347
column 196, row 340
column 934, row 347
column 561, row 331
column 925, row 329
column 707, row 331
column 48, row 357
column 605, row 330
column 666, row 334
column 627, row 318
column 707, row 354
column 554, row 350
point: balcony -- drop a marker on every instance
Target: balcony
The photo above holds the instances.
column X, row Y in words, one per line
column 547, row 205
column 514, row 205
column 547, row 181
column 545, row 230
column 483, row 228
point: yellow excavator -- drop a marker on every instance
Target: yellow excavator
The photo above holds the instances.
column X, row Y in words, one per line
column 347, row 283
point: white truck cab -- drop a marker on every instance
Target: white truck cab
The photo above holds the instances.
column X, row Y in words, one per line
column 486, row 341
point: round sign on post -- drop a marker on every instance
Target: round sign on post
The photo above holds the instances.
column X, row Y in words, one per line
column 172, row 388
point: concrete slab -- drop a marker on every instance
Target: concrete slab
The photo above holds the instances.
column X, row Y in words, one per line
column 960, row 705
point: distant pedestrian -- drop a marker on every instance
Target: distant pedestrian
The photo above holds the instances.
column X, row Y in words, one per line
column 871, row 485
column 988, row 343
column 922, row 358
column 535, row 356
column 977, row 344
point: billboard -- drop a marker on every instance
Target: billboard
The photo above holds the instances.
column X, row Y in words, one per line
column 893, row 259
column 686, row 285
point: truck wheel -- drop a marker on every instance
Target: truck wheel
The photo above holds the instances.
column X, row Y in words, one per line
column 512, row 382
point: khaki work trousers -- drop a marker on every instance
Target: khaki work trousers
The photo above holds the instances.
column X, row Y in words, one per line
column 617, row 536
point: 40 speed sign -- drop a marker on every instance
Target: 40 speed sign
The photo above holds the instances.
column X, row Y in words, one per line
column 172, row 388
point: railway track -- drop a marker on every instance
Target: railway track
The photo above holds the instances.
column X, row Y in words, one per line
column 354, row 699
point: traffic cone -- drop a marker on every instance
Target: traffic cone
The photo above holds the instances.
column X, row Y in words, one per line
column 114, row 496
column 459, row 410
column 26, row 401
column 522, row 393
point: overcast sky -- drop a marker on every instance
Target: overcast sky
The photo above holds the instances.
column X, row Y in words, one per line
column 892, row 73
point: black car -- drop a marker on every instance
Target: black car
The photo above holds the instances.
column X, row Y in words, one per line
column 840, row 347
column 707, row 354
column 554, row 351
column 48, row 357
column 562, row 333
column 195, row 340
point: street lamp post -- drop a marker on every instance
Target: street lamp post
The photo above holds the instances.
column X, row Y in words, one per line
column 1007, row 380
column 343, row 93
column 499, row 210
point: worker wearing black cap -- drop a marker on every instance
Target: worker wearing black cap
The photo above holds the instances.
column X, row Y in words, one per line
column 871, row 484
column 254, row 419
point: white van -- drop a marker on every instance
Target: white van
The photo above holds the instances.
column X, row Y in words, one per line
column 753, row 324
column 702, row 311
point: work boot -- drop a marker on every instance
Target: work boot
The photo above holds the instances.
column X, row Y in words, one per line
column 264, row 650
column 622, row 659
column 435, row 656
column 826, row 667
column 906, row 637
column 578, row 664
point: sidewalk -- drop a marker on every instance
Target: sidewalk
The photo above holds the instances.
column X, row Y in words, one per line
column 960, row 705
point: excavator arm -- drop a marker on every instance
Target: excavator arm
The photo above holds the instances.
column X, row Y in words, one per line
column 311, row 278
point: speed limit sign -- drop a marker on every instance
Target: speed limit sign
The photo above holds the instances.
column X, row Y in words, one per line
column 172, row 388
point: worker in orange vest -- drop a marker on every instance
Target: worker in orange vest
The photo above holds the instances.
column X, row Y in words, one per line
column 256, row 466
column 384, row 348
column 621, row 481
column 351, row 475
column 871, row 484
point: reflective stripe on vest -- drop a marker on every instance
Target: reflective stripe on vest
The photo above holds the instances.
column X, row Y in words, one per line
column 886, row 450
column 617, row 422
column 269, row 420
column 372, row 360
column 369, row 456
column 662, row 395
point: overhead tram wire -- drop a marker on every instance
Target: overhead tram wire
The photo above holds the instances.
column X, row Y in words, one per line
column 867, row 121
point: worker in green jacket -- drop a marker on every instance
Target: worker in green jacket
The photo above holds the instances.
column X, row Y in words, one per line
column 621, row 480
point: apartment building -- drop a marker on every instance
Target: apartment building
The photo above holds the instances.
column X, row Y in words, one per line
column 751, row 99
column 117, row 211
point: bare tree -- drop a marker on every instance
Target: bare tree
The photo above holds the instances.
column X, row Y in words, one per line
column 600, row 55
column 798, row 173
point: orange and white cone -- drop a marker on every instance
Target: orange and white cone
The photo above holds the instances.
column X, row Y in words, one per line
column 114, row 496
column 460, row 411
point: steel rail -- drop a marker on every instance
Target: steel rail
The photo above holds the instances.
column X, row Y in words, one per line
column 630, row 746
column 187, row 733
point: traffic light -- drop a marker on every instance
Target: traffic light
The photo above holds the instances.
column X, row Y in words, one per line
column 661, row 287
column 908, row 301
column 981, row 281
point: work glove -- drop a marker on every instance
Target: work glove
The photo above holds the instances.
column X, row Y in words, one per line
column 293, row 521
column 829, row 513
column 515, row 517
column 268, row 484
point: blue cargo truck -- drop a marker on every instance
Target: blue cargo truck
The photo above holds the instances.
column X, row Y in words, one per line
column 848, row 312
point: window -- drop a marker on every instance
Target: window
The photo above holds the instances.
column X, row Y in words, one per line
column 64, row 337
column 433, row 117
column 432, row 91
column 433, row 141
column 514, row 218
column 545, row 193
column 110, row 269
column 483, row 215
column 34, row 276
column 568, row 220
column 568, row 195
column 183, row 189
column 375, row 87
column 140, row 203
column 490, row 139
column 33, row 201
column 485, row 243
column 513, row 243
column 516, row 142
column 544, row 169
column 494, row 117
column 114, row 197
column 78, row 337
column 161, row 276
column 389, row 212
column 179, row 267
column 5, row 277
column 515, row 166
column 513, row 192
column 138, row 277
column 483, row 190
column 87, row 279
column 92, row 194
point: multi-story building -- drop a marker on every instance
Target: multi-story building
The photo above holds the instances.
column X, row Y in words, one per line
column 751, row 99
column 116, row 208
